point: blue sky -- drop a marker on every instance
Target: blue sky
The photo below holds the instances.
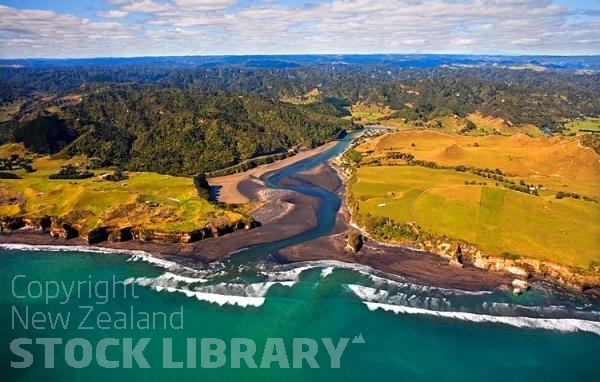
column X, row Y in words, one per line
column 93, row 28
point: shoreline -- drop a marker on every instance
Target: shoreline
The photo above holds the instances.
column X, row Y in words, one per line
column 229, row 185
column 522, row 272
column 417, row 266
column 299, row 215
column 287, row 213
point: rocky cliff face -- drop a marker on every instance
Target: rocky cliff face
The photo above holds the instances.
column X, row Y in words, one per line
column 59, row 228
column 521, row 269
column 63, row 230
column 11, row 223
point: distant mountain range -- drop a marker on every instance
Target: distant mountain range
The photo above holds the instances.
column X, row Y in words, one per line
column 589, row 63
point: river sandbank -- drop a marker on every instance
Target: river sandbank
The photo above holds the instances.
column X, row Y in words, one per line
column 287, row 213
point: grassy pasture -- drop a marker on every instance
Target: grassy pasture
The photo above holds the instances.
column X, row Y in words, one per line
column 559, row 163
column 592, row 124
column 370, row 112
column 7, row 112
column 454, row 125
column 493, row 218
column 110, row 203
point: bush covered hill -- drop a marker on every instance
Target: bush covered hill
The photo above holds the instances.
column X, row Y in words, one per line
column 184, row 115
column 149, row 128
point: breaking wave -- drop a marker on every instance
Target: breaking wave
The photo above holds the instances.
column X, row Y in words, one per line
column 242, row 295
column 400, row 304
column 556, row 324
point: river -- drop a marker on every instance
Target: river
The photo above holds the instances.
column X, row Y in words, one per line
column 393, row 329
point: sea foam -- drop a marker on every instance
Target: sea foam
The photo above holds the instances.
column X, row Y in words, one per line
column 326, row 272
column 556, row 324
column 70, row 248
column 242, row 295
column 380, row 299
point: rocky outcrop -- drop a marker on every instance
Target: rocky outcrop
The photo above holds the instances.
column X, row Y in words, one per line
column 208, row 231
column 41, row 224
column 63, row 230
column 119, row 235
column 521, row 269
column 97, row 235
column 519, row 286
column 160, row 237
column 9, row 223
column 524, row 269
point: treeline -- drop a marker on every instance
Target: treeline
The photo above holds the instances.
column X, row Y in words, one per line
column 71, row 172
column 251, row 163
column 185, row 120
column 173, row 131
column 386, row 229
column 545, row 99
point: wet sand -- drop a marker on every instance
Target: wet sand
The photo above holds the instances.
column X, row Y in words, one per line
column 229, row 186
column 287, row 213
column 417, row 266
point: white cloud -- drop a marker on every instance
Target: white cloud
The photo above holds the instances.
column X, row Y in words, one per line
column 113, row 14
column 333, row 26
column 145, row 6
column 204, row 5
column 41, row 33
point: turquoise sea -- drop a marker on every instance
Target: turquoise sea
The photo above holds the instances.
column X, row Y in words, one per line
column 307, row 301
column 392, row 329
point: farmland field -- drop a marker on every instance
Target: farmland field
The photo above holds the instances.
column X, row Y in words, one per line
column 588, row 124
column 97, row 201
column 454, row 125
column 572, row 167
column 465, row 206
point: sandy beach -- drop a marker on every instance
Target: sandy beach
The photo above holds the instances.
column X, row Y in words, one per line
column 230, row 192
column 286, row 213
column 418, row 266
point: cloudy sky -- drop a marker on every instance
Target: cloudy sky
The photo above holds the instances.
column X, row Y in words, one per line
column 93, row 28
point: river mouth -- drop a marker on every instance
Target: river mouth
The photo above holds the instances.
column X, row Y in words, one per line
column 473, row 300
column 327, row 206
column 245, row 276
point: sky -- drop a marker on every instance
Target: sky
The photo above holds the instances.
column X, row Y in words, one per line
column 126, row 28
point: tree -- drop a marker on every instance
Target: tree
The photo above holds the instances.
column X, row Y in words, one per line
column 470, row 125
column 353, row 156
column 202, row 186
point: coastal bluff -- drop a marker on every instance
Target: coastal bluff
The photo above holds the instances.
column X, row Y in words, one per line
column 57, row 227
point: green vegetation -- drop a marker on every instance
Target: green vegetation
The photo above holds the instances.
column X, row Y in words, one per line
column 202, row 186
column 510, row 256
column 388, row 229
column 460, row 167
column 172, row 131
column 251, row 163
column 353, row 156
column 153, row 201
column 493, row 99
column 44, row 135
column 497, row 220
column 15, row 162
column 8, row 175
column 582, row 125
column 71, row 172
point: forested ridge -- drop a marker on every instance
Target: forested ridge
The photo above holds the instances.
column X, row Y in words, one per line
column 149, row 128
column 188, row 116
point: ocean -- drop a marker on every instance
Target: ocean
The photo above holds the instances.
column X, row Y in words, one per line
column 409, row 331
column 78, row 313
